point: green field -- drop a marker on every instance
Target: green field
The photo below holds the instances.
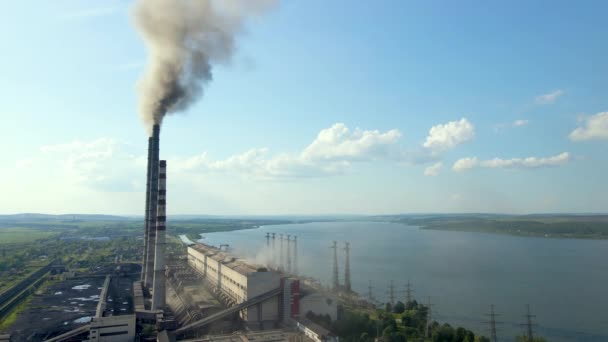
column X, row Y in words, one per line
column 13, row 235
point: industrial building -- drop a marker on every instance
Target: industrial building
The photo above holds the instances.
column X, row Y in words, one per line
column 236, row 281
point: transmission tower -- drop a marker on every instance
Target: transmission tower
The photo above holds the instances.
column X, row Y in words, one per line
column 492, row 322
column 336, row 282
column 347, row 286
column 408, row 292
column 429, row 316
column 529, row 325
column 391, row 293
column 370, row 294
column 267, row 240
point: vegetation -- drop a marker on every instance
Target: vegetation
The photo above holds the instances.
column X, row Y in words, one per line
column 20, row 235
column 83, row 242
column 405, row 322
column 560, row 226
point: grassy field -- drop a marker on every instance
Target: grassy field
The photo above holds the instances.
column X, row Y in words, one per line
column 14, row 235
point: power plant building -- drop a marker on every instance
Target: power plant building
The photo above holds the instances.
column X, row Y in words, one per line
column 236, row 281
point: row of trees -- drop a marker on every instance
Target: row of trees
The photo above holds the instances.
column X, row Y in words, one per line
column 353, row 326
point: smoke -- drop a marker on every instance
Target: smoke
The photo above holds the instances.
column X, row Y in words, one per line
column 185, row 38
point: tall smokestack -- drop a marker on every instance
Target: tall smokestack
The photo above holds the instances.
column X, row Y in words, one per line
column 153, row 190
column 274, row 251
column 295, row 255
column 144, row 266
column 281, row 252
column 158, row 296
column 288, row 253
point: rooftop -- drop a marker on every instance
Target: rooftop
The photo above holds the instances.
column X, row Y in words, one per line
column 239, row 265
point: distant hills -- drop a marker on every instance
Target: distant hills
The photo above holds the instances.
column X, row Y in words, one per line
column 63, row 217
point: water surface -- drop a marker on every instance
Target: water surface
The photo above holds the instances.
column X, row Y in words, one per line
column 563, row 280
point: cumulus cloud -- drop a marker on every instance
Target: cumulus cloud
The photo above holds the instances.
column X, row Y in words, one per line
column 102, row 163
column 449, row 135
column 549, row 98
column 107, row 164
column 338, row 142
column 433, row 170
column 331, row 152
column 513, row 163
column 465, row 163
column 519, row 123
column 593, row 127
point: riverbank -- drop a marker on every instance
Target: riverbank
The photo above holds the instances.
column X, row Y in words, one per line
column 548, row 226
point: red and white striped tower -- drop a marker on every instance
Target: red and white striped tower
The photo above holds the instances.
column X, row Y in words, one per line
column 144, row 266
column 158, row 292
column 153, row 198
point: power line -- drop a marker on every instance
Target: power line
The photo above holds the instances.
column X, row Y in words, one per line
column 347, row 286
column 529, row 325
column 408, row 292
column 391, row 293
column 492, row 322
column 336, row 282
column 429, row 316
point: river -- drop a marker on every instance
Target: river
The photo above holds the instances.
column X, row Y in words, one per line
column 563, row 280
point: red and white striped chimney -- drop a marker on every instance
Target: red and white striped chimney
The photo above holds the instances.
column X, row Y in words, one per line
column 158, row 292
column 144, row 266
column 152, row 198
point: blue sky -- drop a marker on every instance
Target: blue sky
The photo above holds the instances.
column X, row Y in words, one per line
column 326, row 107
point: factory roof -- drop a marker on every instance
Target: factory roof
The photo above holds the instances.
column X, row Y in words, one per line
column 239, row 265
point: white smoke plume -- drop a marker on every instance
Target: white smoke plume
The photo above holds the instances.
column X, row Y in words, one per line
column 185, row 38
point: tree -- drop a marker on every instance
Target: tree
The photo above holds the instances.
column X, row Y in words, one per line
column 399, row 307
column 460, row 335
column 482, row 339
column 444, row 334
column 411, row 305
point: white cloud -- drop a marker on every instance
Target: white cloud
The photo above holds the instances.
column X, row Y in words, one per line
column 338, row 142
column 101, row 163
column 549, row 98
column 593, row 127
column 433, row 170
column 465, row 163
column 514, row 163
column 331, row 152
column 106, row 164
column 449, row 135
column 519, row 123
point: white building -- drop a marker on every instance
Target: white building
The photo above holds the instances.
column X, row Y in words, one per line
column 236, row 281
column 112, row 329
